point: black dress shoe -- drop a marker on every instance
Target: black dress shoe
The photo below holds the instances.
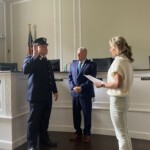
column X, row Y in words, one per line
column 49, row 143
column 31, row 148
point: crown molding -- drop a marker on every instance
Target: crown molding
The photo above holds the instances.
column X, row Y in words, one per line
column 17, row 1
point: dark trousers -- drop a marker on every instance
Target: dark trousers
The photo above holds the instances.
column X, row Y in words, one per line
column 84, row 104
column 38, row 122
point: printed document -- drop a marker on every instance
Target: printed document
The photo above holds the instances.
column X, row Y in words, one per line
column 93, row 79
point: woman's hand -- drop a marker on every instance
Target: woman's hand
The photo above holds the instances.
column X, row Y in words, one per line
column 98, row 84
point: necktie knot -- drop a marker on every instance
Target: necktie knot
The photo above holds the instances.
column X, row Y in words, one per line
column 79, row 66
column 43, row 58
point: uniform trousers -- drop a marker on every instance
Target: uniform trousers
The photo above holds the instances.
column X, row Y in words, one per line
column 118, row 110
column 38, row 122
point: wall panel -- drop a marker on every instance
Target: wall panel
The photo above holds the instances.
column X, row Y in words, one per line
column 2, row 31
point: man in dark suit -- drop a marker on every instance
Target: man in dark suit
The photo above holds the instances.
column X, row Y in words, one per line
column 41, row 85
column 82, row 92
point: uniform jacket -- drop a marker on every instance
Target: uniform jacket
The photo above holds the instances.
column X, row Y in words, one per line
column 41, row 81
column 75, row 79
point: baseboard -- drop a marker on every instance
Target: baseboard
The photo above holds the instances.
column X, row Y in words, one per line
column 101, row 131
column 6, row 145
column 19, row 141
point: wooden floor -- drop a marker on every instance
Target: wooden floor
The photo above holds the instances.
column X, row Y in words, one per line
column 98, row 142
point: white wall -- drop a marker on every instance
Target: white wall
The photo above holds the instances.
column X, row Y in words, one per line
column 68, row 24
column 102, row 19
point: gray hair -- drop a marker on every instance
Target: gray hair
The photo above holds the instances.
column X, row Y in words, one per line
column 82, row 49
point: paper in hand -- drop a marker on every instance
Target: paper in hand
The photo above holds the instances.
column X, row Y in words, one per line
column 93, row 79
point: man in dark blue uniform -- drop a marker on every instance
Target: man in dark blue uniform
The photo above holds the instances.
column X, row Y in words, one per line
column 41, row 85
column 82, row 92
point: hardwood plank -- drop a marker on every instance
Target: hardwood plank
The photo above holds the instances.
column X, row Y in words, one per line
column 98, row 142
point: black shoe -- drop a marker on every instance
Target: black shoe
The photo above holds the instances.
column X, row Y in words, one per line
column 49, row 143
column 31, row 148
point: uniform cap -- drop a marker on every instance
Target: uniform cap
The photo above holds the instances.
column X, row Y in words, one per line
column 40, row 41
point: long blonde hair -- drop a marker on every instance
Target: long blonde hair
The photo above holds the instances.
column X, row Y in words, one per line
column 123, row 47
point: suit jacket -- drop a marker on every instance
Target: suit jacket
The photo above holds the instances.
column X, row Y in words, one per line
column 41, row 81
column 75, row 79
